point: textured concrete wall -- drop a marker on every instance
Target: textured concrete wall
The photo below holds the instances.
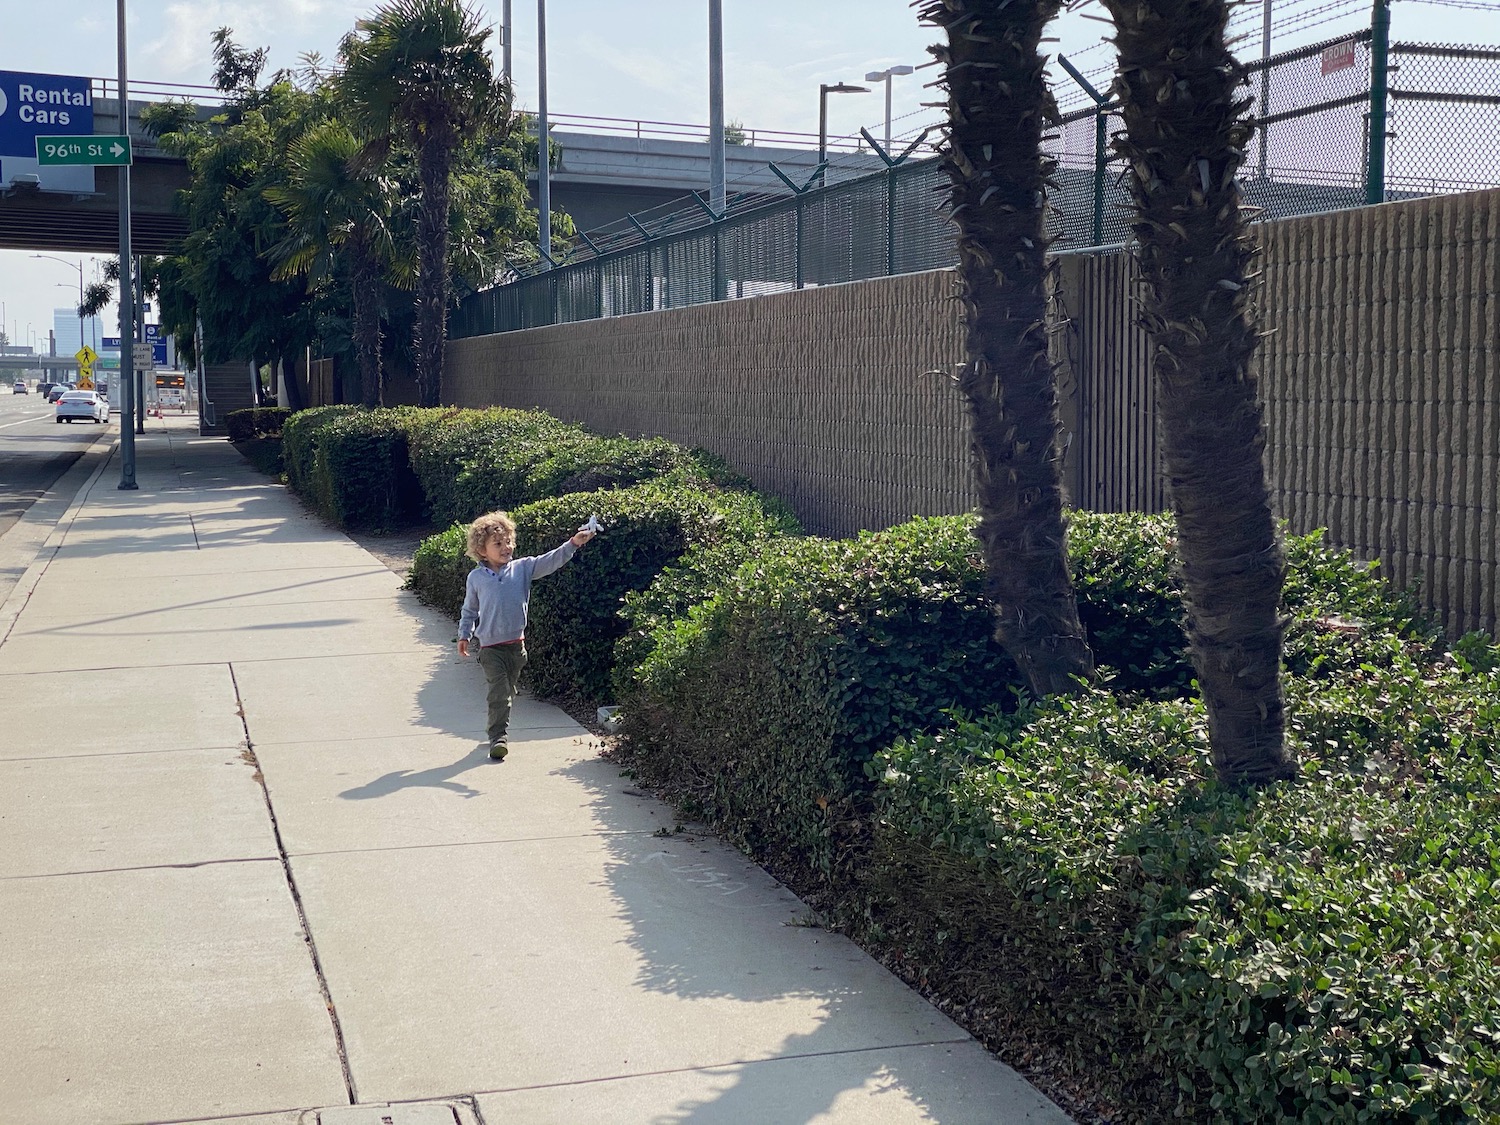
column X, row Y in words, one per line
column 1380, row 383
column 828, row 398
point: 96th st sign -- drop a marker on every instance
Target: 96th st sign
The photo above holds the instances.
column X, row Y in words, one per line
column 83, row 150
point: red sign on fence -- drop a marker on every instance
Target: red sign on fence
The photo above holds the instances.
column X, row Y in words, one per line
column 1339, row 56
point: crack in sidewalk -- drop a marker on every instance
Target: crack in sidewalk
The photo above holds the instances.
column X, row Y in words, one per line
column 291, row 882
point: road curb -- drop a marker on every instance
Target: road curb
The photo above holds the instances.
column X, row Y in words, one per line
column 15, row 600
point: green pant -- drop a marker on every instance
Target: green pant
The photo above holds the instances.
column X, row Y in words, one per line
column 502, row 666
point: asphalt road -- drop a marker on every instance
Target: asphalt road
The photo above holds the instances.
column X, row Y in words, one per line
column 35, row 451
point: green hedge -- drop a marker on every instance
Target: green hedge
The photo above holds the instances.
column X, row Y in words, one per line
column 1322, row 952
column 758, row 707
column 256, row 422
column 574, row 619
column 596, row 463
column 298, row 435
column 361, row 475
column 473, row 461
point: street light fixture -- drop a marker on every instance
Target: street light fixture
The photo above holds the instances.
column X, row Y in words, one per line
column 79, row 268
column 886, row 76
column 823, row 91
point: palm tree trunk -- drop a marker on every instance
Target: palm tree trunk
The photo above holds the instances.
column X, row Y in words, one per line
column 434, row 165
column 1186, row 135
column 286, row 368
column 998, row 105
column 366, row 278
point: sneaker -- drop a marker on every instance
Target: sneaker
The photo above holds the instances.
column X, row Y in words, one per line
column 498, row 750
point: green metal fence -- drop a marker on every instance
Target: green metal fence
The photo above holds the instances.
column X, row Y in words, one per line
column 1312, row 153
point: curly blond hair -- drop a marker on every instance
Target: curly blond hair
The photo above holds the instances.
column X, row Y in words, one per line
column 491, row 525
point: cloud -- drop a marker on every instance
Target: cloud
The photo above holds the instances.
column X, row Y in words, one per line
column 181, row 50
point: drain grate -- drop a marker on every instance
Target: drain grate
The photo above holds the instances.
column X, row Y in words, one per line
column 422, row 1113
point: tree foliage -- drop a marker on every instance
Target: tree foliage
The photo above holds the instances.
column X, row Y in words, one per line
column 418, row 73
column 303, row 231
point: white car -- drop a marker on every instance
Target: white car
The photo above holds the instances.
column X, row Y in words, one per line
column 82, row 404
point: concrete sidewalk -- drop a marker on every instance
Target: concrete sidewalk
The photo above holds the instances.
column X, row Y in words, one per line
column 256, row 866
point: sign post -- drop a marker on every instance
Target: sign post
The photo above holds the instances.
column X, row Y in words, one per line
column 86, row 357
column 127, row 315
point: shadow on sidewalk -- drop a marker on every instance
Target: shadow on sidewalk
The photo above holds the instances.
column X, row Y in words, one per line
column 675, row 962
column 438, row 777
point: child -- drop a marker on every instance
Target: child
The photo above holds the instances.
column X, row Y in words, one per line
column 493, row 621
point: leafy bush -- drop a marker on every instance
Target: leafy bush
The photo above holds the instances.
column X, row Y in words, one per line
column 596, row 463
column 573, row 619
column 297, row 436
column 759, row 708
column 1130, row 600
column 445, row 444
column 256, row 422
column 352, row 465
column 1328, row 951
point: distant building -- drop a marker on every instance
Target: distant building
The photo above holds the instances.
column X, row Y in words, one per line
column 65, row 329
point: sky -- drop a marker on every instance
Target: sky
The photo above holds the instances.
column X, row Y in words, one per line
column 641, row 59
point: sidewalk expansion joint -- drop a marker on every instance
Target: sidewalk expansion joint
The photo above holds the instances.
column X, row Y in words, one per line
column 291, row 882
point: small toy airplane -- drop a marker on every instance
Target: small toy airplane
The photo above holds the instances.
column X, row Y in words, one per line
column 593, row 525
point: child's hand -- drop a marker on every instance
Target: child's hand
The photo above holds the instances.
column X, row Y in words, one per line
column 587, row 531
column 463, row 648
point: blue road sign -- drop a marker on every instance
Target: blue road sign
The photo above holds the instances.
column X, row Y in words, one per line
column 43, row 105
column 157, row 341
column 33, row 105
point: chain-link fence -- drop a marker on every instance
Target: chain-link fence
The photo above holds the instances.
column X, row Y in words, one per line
column 1311, row 154
column 1444, row 120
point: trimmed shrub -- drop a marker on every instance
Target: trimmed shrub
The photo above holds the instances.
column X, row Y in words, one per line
column 1130, row 601
column 1320, row 952
column 758, row 710
column 595, row 463
column 361, row 475
column 444, row 445
column 256, row 422
column 574, row 619
column 298, row 451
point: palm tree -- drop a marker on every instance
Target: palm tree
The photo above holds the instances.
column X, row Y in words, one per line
column 1186, row 131
column 332, row 208
column 998, row 107
column 418, row 72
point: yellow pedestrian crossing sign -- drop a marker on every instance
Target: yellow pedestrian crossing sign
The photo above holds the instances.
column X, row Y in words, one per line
column 86, row 357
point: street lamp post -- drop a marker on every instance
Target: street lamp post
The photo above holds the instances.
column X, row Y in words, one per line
column 79, row 268
column 823, row 91
column 886, row 76
column 127, row 314
column 544, row 144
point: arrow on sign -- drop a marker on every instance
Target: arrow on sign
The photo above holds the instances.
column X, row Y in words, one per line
column 116, row 150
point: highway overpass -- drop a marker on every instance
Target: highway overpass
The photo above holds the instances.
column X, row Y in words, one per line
column 610, row 168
